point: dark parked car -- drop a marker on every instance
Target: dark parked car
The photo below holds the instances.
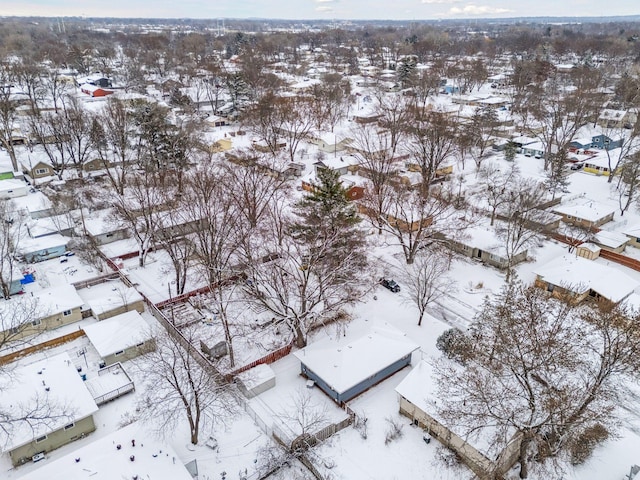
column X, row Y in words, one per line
column 390, row 284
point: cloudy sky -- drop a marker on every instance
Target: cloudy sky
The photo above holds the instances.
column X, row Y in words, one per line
column 316, row 9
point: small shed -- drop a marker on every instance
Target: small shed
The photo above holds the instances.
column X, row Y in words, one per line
column 588, row 250
column 256, row 380
column 121, row 338
column 344, row 371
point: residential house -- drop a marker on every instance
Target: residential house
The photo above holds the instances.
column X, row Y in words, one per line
column 588, row 213
column 598, row 164
column 611, row 241
column 328, row 142
column 43, row 248
column 344, row 371
column 103, row 228
column 54, row 380
column 581, row 279
column 40, row 170
column 633, row 234
column 95, row 91
column 482, row 244
column 418, row 402
column 604, row 142
column 125, row 453
column 121, row 338
column 342, row 165
column 111, row 298
column 610, row 118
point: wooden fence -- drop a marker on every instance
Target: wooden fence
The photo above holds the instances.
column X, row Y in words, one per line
column 269, row 358
column 96, row 280
column 54, row 342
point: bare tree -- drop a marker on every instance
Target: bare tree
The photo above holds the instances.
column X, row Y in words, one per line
column 55, row 87
column 115, row 141
column 216, row 240
column 542, row 367
column 432, row 142
column 426, row 279
column 629, row 182
column 629, row 143
column 11, row 232
column 306, row 277
column 523, row 221
column 416, row 221
column 140, row 209
column 8, row 113
column 178, row 385
column 496, row 186
column 376, row 162
column 77, row 127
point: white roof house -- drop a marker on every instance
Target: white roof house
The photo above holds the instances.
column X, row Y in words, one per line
column 103, row 460
column 345, row 370
column 57, row 299
column 55, row 380
column 109, row 296
column 118, row 333
column 580, row 276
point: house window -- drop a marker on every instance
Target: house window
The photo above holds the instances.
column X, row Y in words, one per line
column 41, row 439
column 41, row 171
column 70, row 426
column 109, row 235
column 66, row 313
column 119, row 353
column 140, row 344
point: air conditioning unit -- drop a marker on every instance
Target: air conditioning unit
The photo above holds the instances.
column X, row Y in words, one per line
column 37, row 457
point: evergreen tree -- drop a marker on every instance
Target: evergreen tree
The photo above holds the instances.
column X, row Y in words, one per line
column 327, row 222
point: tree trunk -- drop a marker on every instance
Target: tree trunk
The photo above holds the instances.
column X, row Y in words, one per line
column 522, row 457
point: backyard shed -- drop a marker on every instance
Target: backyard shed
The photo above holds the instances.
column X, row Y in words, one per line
column 120, row 338
column 256, row 380
column 344, row 371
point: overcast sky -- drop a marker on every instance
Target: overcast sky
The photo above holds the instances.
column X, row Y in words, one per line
column 317, row 9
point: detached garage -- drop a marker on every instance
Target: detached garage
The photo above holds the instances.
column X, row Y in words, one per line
column 344, row 371
column 121, row 338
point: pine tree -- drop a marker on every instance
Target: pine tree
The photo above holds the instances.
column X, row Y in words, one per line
column 327, row 221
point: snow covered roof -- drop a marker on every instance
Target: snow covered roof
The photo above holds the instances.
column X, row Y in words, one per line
column 46, row 226
column 580, row 275
column 343, row 366
column 102, row 460
column 101, row 221
column 590, row 211
column 611, row 239
column 107, row 296
column 50, row 301
column 118, row 333
column 418, row 387
column 256, row 376
column 30, row 245
column 54, row 382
